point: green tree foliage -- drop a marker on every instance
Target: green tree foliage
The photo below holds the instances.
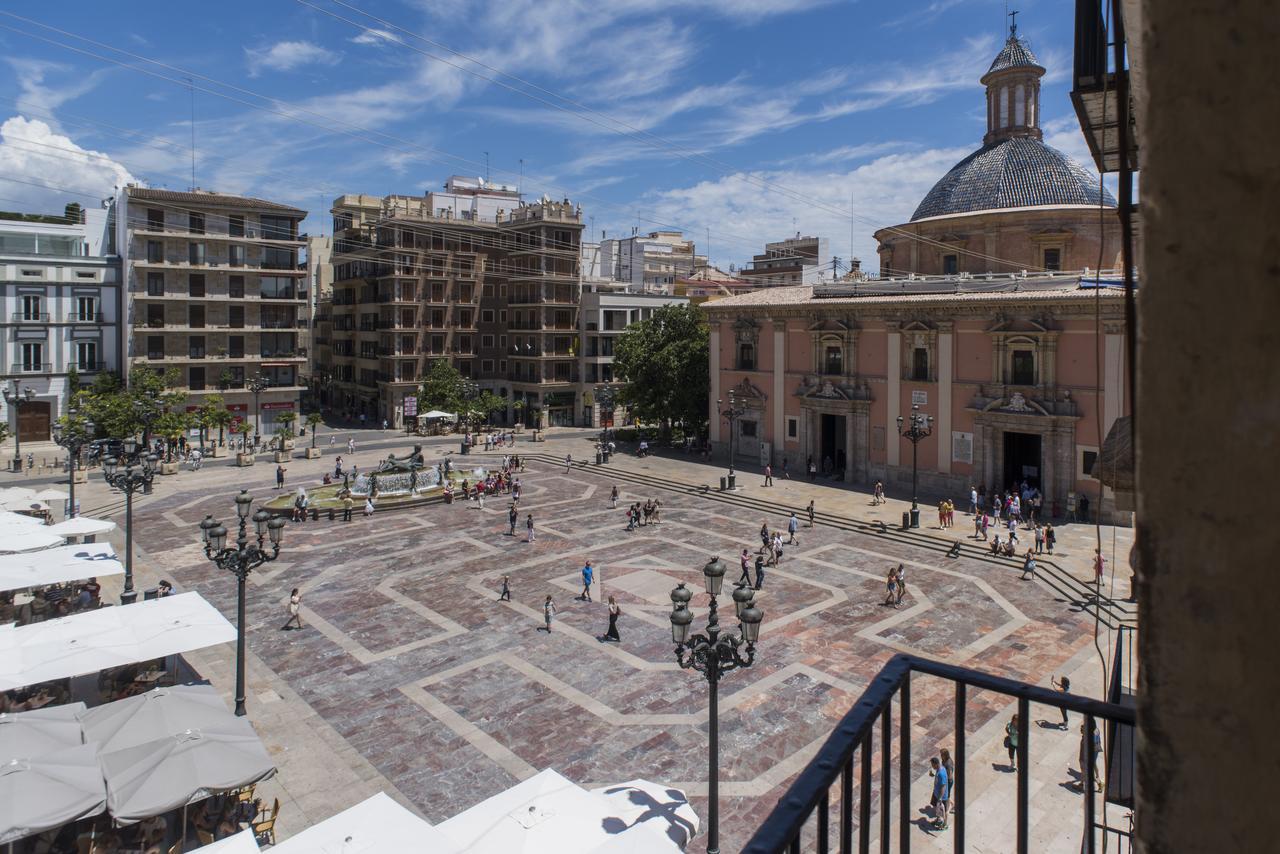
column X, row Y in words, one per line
column 314, row 420
column 441, row 388
column 665, row 363
column 120, row 412
column 285, row 420
column 170, row 425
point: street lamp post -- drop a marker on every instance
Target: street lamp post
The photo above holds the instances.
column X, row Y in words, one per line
column 713, row 655
column 73, row 436
column 257, row 384
column 18, row 398
column 139, row 471
column 605, row 397
column 240, row 559
column 730, row 414
column 916, row 428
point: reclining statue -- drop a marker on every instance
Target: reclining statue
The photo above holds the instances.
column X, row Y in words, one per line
column 410, row 462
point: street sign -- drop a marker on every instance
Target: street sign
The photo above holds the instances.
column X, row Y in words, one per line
column 410, row 406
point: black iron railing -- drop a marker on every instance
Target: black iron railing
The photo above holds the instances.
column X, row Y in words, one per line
column 803, row 820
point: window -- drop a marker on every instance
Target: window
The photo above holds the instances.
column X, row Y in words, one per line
column 235, row 255
column 793, row 428
column 235, row 346
column 747, row 429
column 1087, row 458
column 155, row 284
column 86, row 309
column 277, row 228
column 1024, row 367
column 950, row 265
column 1053, row 259
column 920, row 364
column 486, row 366
column 31, row 307
column 195, row 378
column 32, row 357
column 235, row 316
column 155, row 316
column 195, row 347
column 86, row 355
column 195, row 316
column 279, row 259
column 502, row 366
column 155, row 219
column 486, row 341
column 277, row 287
column 486, row 316
column 155, row 346
column 746, row 358
column 195, row 285
column 195, row 223
column 235, row 287
column 195, row 253
column 235, row 225
column 833, row 360
column 155, row 251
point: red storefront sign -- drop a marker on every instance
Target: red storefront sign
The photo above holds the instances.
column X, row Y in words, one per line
column 282, row 404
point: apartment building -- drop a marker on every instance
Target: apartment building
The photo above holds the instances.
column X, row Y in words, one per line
column 215, row 290
column 60, row 307
column 794, row 261
column 648, row 263
column 472, row 274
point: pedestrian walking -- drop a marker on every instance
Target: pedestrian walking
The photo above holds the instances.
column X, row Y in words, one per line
column 1064, row 686
column 613, row 498
column 384, row 425
column 528, row 524
column 280, row 477
column 902, row 585
column 768, row 475
column 504, row 595
column 568, row 461
column 1029, row 566
column 973, row 500
column 548, row 610
column 295, row 610
column 332, row 438
column 745, row 578
column 786, row 473
column 1090, row 741
column 480, row 495
column 891, row 588
column 1011, row 742
column 1050, row 537
column 813, row 470
column 793, row 525
column 588, row 575
column 351, row 446
column 877, row 493
column 1039, row 538
column 512, row 517
column 759, row 572
column 1099, row 567
column 614, row 612
column 941, row 793
column 810, row 512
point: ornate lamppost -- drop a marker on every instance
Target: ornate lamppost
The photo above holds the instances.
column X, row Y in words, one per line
column 73, row 434
column 18, row 398
column 240, row 559
column 257, row 384
column 139, row 470
column 917, row 427
column 713, row 655
column 730, row 413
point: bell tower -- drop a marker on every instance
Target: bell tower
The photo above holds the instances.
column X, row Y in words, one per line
column 1013, row 91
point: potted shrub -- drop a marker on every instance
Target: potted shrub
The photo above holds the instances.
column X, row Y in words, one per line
column 313, row 421
column 518, row 408
column 284, row 433
column 243, row 456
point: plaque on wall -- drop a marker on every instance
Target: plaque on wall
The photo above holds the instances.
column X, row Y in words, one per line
column 962, row 447
column 919, row 398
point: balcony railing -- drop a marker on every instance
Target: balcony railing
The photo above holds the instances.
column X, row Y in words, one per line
column 30, row 317
column 85, row 317
column 803, row 819
column 90, row 367
column 34, row 367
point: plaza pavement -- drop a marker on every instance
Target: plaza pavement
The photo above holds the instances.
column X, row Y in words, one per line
column 410, row 677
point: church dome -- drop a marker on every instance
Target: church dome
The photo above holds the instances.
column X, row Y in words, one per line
column 1015, row 172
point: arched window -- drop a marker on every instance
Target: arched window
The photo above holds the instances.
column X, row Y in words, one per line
column 1004, row 106
column 1019, row 105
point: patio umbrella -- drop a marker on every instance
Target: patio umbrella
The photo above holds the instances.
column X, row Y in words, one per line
column 49, row 791
column 40, row 731
column 51, row 494
column 439, row 413
column 241, row 843
column 13, row 492
column 28, row 539
column 161, row 775
column 9, row 519
column 145, row 717
column 82, row 526
column 372, row 826
column 640, row 804
column 24, row 504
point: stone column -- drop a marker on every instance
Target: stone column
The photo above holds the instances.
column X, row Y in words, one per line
column 893, row 395
column 943, row 424
column 850, row 451
column 713, row 352
column 860, row 454
column 779, row 408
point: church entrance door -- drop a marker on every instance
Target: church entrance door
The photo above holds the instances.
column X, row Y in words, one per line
column 1021, row 459
column 835, row 456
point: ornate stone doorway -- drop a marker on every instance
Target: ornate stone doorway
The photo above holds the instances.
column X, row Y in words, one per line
column 1022, row 459
column 833, row 444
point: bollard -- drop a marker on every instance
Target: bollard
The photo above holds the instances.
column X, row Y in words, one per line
column 724, row 483
column 906, row 520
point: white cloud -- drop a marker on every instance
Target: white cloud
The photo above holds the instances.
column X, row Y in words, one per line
column 36, row 94
column 374, row 36
column 34, row 152
column 288, row 55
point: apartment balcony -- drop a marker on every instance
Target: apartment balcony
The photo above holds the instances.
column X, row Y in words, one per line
column 398, row 352
column 31, row 368
column 89, row 317
column 29, row 317
column 831, row 800
column 223, row 265
column 142, row 294
column 142, row 229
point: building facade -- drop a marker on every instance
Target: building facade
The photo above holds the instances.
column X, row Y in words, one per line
column 649, row 263
column 60, row 310
column 796, row 260
column 215, row 290
column 492, row 285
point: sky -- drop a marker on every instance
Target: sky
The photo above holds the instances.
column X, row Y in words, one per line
column 737, row 121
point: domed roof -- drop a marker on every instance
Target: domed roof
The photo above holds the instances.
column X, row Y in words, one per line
column 1012, row 173
column 1014, row 54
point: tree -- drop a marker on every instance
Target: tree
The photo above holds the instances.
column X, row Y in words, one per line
column 441, row 387
column 212, row 413
column 170, row 425
column 480, row 407
column 285, row 430
column 314, row 420
column 664, row 360
column 119, row 413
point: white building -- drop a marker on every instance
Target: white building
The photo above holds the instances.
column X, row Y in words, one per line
column 471, row 199
column 60, row 288
column 794, row 261
column 648, row 263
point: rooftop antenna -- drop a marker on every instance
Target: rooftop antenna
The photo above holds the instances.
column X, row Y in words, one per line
column 520, row 185
column 486, row 167
column 192, row 87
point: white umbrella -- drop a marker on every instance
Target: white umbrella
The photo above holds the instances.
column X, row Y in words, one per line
column 175, row 770
column 639, row 804
column 159, row 712
column 23, row 504
column 57, row 565
column 439, row 413
column 82, row 526
column 51, row 494
column 377, row 824
column 49, row 791
column 29, row 539
column 242, row 843
column 40, row 731
column 12, row 492
column 9, row 519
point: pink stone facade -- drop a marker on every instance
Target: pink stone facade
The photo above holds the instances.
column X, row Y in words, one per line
column 1020, row 384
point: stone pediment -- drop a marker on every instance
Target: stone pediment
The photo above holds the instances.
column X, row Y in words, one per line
column 748, row 391
column 831, row 324
column 1024, row 325
column 1016, row 403
column 816, row 387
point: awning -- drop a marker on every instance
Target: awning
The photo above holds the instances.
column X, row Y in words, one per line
column 40, row 731
column 82, row 526
column 439, row 413
column 108, row 637
column 58, row 565
column 242, row 843
column 375, row 825
column 48, row 791
column 161, row 711
column 15, row 540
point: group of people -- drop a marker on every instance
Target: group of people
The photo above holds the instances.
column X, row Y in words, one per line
column 649, row 513
column 896, row 586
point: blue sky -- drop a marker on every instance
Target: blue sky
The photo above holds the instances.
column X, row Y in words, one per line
column 747, row 119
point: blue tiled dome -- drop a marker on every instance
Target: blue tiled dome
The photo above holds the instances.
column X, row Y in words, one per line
column 1015, row 54
column 1012, row 173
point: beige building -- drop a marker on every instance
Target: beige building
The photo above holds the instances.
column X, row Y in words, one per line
column 793, row 261
column 215, row 290
column 471, row 274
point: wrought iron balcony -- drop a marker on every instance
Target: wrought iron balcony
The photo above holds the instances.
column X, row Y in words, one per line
column 842, row 771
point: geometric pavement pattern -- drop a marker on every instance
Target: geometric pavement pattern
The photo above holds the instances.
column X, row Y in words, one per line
column 454, row 696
